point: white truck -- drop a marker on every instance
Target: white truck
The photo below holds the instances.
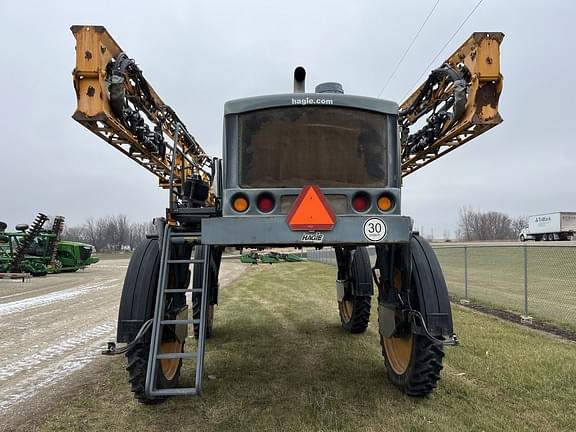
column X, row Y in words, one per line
column 550, row 226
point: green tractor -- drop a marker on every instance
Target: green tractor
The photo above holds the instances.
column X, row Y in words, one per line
column 74, row 256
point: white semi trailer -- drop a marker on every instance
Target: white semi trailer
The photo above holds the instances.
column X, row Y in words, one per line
column 550, row 226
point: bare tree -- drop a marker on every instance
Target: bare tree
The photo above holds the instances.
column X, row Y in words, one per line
column 138, row 233
column 465, row 230
column 74, row 233
column 518, row 224
column 111, row 233
column 492, row 225
column 117, row 232
column 96, row 232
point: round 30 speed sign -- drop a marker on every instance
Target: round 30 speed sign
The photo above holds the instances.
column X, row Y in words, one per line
column 374, row 229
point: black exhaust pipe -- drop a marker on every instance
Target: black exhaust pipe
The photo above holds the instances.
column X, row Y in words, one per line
column 299, row 80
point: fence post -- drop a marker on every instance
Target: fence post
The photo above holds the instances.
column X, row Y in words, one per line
column 525, row 280
column 466, row 272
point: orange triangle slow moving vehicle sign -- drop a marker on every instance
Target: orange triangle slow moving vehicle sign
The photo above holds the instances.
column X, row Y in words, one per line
column 311, row 211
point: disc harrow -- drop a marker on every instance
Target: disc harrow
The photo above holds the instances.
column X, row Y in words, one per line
column 52, row 249
column 24, row 244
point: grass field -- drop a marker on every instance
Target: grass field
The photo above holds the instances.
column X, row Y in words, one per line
column 496, row 277
column 280, row 362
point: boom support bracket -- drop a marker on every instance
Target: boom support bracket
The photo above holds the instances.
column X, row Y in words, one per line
column 459, row 101
column 118, row 104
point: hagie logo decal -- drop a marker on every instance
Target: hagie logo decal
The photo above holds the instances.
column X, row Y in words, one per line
column 312, row 237
column 312, row 101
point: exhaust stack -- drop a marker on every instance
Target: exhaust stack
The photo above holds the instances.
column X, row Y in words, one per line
column 299, row 80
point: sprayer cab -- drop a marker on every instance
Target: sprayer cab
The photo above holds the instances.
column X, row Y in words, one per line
column 310, row 168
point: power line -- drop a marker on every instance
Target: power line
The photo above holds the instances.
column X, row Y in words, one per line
column 445, row 45
column 408, row 49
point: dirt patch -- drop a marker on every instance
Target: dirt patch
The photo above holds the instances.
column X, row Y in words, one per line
column 515, row 318
column 40, row 407
column 51, row 333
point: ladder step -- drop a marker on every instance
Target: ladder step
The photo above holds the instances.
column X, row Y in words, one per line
column 180, row 321
column 191, row 391
column 186, row 355
column 184, row 234
column 183, row 240
column 182, row 290
column 188, row 261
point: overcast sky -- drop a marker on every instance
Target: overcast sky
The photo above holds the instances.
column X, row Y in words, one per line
column 197, row 55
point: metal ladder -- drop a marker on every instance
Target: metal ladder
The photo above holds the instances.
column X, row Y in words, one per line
column 159, row 320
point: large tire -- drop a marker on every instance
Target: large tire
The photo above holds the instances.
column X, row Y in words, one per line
column 413, row 362
column 354, row 309
column 214, row 266
column 139, row 296
column 197, row 297
column 137, row 365
column 209, row 319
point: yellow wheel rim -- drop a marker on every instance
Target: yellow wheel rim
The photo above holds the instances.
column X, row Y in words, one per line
column 170, row 366
column 346, row 307
column 398, row 352
column 398, row 349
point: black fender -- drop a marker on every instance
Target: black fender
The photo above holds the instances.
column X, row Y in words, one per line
column 354, row 267
column 430, row 285
column 362, row 273
column 138, row 298
column 139, row 290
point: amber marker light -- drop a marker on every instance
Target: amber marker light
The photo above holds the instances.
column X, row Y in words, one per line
column 385, row 203
column 240, row 203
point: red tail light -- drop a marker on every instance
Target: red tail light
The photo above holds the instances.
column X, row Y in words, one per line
column 361, row 202
column 265, row 203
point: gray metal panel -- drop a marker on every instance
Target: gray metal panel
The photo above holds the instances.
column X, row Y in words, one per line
column 274, row 231
column 230, row 152
column 310, row 99
column 394, row 156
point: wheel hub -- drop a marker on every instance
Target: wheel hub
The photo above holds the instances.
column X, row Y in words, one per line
column 346, row 307
column 170, row 366
column 399, row 352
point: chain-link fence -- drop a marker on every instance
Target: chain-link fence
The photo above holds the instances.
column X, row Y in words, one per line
column 532, row 280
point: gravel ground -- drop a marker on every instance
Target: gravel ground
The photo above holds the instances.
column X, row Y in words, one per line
column 52, row 330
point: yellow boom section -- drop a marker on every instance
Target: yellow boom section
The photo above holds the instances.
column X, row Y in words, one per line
column 117, row 103
column 459, row 101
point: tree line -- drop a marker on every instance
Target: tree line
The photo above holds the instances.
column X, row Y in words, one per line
column 110, row 233
column 491, row 225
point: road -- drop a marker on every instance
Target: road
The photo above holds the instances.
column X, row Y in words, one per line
column 52, row 327
column 530, row 243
